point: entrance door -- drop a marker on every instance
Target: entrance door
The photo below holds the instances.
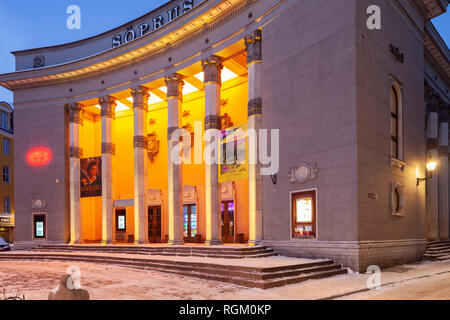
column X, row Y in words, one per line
column 228, row 222
column 190, row 223
column 154, row 224
column 4, row 233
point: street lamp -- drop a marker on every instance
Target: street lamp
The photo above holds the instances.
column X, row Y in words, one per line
column 431, row 167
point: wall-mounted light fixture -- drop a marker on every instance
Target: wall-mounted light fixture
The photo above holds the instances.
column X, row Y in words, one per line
column 431, row 167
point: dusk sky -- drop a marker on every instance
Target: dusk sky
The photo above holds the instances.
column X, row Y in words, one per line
column 33, row 24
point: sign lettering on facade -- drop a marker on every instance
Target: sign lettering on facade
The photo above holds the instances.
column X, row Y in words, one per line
column 156, row 22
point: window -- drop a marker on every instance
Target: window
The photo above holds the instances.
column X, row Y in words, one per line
column 5, row 174
column 7, row 204
column 190, row 222
column 5, row 146
column 121, row 220
column 39, row 226
column 304, row 214
column 396, row 122
column 4, row 120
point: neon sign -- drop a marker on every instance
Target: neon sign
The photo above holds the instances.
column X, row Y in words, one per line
column 39, row 156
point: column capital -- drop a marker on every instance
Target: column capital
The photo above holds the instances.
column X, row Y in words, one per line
column 253, row 46
column 75, row 110
column 108, row 148
column 255, row 107
column 75, row 152
column 108, row 106
column 140, row 142
column 212, row 69
column 140, row 96
column 174, row 83
column 212, row 122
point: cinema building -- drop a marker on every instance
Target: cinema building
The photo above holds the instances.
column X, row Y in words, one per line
column 360, row 114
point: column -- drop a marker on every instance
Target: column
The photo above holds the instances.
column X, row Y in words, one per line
column 443, row 172
column 254, row 63
column 174, row 85
column 75, row 121
column 140, row 143
column 212, row 68
column 432, row 154
column 108, row 114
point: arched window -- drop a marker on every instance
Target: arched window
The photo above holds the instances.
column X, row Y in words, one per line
column 396, row 122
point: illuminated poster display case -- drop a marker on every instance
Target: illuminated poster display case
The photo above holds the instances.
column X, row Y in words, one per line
column 304, row 214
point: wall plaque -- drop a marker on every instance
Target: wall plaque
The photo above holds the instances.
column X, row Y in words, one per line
column 303, row 173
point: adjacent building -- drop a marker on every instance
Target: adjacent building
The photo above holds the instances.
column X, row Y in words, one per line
column 7, row 166
column 360, row 111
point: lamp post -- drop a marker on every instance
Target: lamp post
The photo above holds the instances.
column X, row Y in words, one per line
column 431, row 167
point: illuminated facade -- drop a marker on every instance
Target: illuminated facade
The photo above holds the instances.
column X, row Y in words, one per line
column 98, row 118
column 7, row 166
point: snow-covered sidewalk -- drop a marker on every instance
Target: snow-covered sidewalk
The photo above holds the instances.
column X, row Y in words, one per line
column 36, row 279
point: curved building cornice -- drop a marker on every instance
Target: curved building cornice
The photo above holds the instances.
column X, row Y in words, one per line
column 190, row 26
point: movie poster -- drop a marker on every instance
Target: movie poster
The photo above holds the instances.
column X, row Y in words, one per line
column 233, row 142
column 91, row 177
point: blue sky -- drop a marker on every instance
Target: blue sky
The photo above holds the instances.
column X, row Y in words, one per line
column 26, row 24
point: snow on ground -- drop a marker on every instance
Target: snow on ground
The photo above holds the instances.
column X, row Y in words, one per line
column 37, row 279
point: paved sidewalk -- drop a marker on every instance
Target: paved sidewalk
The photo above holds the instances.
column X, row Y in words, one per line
column 425, row 280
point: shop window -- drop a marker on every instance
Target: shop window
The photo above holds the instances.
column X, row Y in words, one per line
column 121, row 220
column 7, row 204
column 304, row 215
column 5, row 174
column 39, row 223
column 396, row 122
column 397, row 200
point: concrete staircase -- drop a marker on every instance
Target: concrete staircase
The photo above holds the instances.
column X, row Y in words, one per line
column 247, row 276
column 184, row 251
column 437, row 251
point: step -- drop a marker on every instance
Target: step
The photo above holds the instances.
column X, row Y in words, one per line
column 231, row 253
column 261, row 254
column 253, row 277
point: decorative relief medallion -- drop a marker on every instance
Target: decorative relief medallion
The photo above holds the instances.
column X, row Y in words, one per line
column 38, row 205
column 153, row 145
column 39, row 62
column 226, row 122
column 303, row 173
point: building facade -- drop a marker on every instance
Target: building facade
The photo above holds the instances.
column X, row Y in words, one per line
column 360, row 112
column 7, row 165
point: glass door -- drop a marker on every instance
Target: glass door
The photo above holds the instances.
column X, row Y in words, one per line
column 228, row 222
column 154, row 224
column 190, row 222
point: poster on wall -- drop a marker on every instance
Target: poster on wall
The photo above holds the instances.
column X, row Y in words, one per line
column 233, row 144
column 91, row 177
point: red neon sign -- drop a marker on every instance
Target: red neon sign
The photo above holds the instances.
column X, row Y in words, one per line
column 39, row 157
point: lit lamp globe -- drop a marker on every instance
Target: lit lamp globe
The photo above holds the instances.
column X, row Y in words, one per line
column 431, row 166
